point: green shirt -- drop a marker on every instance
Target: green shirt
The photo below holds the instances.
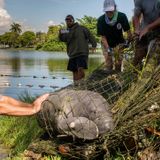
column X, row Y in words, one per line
column 113, row 34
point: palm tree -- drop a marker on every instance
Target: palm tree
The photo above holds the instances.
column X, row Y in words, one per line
column 15, row 32
column 16, row 28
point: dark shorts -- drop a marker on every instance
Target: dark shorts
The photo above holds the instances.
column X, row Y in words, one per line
column 77, row 62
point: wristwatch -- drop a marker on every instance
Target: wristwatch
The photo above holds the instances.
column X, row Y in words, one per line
column 109, row 50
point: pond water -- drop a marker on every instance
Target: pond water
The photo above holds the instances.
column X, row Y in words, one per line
column 36, row 72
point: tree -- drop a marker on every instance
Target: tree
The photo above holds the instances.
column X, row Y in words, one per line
column 28, row 39
column 52, row 34
column 14, row 34
column 52, row 43
column 90, row 23
column 15, row 27
column 9, row 39
column 40, row 37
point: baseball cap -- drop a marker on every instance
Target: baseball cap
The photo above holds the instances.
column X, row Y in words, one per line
column 109, row 5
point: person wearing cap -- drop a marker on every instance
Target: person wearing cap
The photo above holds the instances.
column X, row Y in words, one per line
column 146, row 23
column 77, row 39
column 110, row 27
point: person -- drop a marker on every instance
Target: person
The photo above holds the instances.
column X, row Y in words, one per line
column 146, row 23
column 77, row 38
column 79, row 113
column 110, row 27
column 13, row 107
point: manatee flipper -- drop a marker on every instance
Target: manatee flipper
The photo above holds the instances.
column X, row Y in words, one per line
column 80, row 127
column 104, row 123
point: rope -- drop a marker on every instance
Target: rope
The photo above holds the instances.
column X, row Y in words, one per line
column 18, row 76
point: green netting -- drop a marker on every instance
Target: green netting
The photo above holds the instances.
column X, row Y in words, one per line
column 132, row 99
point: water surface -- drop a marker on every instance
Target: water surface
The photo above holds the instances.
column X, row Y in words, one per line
column 36, row 72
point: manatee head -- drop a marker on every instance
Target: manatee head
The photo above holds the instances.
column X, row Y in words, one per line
column 80, row 127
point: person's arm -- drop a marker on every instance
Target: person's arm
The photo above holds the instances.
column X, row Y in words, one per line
column 92, row 40
column 104, row 42
column 8, row 109
column 155, row 24
column 63, row 35
column 137, row 16
column 90, row 37
column 150, row 27
column 136, row 24
column 129, row 35
column 126, row 27
column 105, row 47
column 103, row 39
column 13, row 107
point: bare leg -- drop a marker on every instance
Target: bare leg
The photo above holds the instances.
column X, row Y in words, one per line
column 10, row 106
column 108, row 61
column 81, row 73
column 78, row 75
column 75, row 76
column 118, row 62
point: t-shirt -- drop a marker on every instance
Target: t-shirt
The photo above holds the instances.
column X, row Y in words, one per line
column 113, row 34
column 150, row 9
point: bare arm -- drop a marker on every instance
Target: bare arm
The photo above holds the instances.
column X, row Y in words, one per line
column 150, row 27
column 138, row 11
column 10, row 106
column 104, row 42
column 136, row 24
column 129, row 35
column 90, row 37
column 155, row 24
column 92, row 40
column 8, row 109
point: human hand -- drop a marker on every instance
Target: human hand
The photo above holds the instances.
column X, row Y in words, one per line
column 108, row 52
column 143, row 32
column 137, row 32
column 93, row 50
column 63, row 31
column 37, row 103
column 135, row 37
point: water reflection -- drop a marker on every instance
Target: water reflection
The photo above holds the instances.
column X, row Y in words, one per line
column 36, row 72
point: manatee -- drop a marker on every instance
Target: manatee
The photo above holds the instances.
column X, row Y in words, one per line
column 80, row 113
column 80, row 127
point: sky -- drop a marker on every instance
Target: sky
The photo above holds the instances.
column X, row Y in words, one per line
column 37, row 15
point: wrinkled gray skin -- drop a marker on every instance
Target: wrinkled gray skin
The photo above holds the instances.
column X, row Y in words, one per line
column 80, row 113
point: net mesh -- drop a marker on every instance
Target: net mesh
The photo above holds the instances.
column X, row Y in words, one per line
column 123, row 104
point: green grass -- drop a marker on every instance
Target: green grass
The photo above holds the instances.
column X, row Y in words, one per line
column 17, row 132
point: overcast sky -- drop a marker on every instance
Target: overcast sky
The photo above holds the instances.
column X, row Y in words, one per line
column 37, row 15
